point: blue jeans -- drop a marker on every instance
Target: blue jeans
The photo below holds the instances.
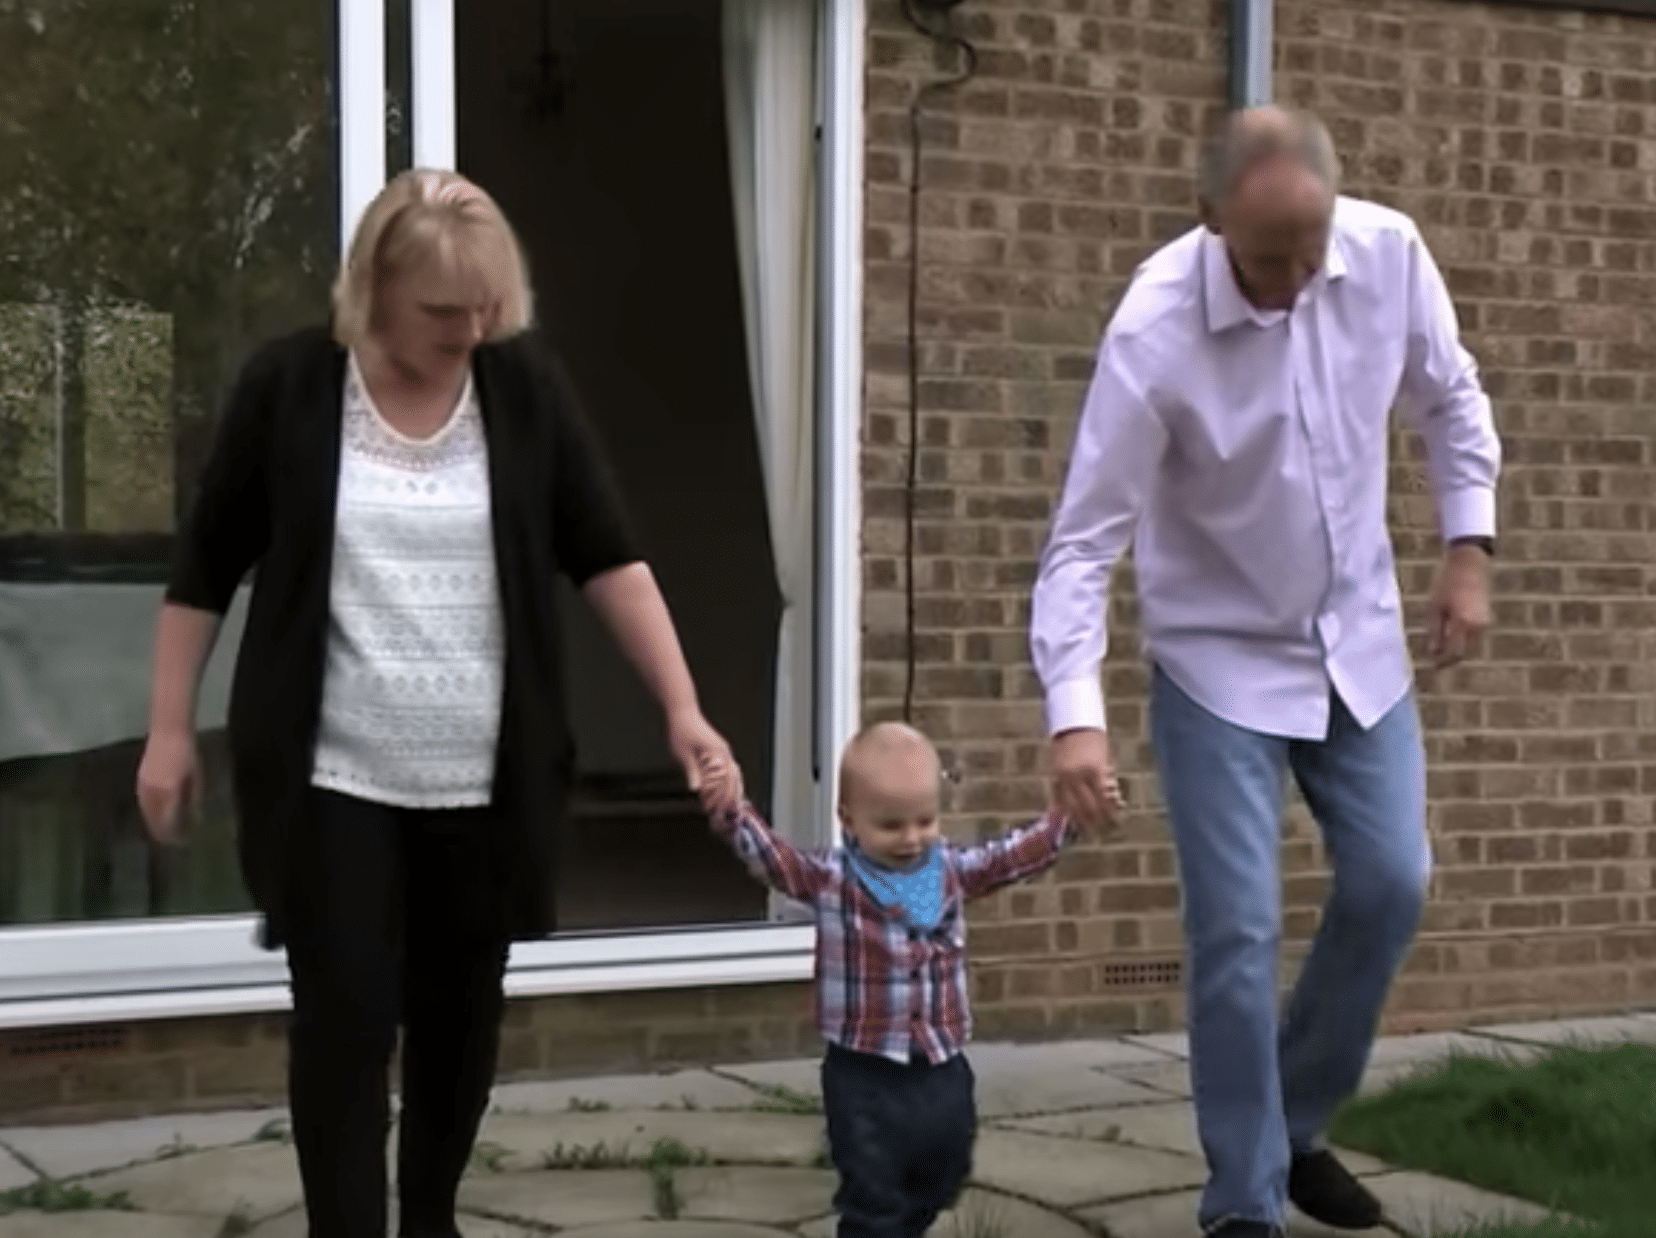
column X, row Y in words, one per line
column 1263, row 1092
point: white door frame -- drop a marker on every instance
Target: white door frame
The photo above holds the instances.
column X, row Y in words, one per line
column 201, row 966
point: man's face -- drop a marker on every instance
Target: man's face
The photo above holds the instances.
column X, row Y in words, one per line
column 1276, row 225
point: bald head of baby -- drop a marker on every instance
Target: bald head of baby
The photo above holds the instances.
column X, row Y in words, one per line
column 889, row 783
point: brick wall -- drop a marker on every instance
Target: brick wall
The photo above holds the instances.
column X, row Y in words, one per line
column 1523, row 142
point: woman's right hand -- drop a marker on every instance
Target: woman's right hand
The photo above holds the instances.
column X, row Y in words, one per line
column 169, row 785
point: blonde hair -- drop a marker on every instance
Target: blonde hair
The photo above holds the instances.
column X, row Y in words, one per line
column 421, row 216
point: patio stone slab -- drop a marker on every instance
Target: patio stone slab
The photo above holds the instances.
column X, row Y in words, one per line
column 524, row 1141
column 1174, row 1216
column 682, row 1089
column 13, row 1173
column 801, row 1076
column 292, row 1225
column 71, row 1151
column 1607, row 1031
column 258, row 1181
column 105, row 1225
column 1168, row 1078
column 563, row 1198
column 1080, row 1054
column 977, row 1212
column 1168, row 1127
column 1018, row 1089
column 784, row 1197
column 1168, row 1044
column 1417, row 1204
column 1063, row 1173
column 1422, row 1204
column 677, row 1229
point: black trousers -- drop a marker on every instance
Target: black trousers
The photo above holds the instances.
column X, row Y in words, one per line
column 901, row 1137
column 396, row 922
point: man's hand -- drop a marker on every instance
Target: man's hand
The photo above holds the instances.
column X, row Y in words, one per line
column 1084, row 786
column 1460, row 612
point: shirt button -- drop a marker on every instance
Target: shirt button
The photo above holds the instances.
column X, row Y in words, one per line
column 915, row 974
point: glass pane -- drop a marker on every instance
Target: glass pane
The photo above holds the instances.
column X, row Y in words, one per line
column 168, row 199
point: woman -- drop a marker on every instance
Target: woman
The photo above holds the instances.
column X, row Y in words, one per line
column 407, row 486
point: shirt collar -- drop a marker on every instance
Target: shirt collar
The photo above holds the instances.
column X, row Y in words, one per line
column 1226, row 306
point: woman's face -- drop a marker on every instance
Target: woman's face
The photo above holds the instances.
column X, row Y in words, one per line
column 428, row 320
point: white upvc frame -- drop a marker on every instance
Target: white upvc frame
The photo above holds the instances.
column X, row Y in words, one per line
column 204, row 966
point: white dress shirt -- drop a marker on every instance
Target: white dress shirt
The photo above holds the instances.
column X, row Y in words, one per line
column 1243, row 454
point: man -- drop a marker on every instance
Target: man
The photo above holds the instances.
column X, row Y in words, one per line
column 1235, row 434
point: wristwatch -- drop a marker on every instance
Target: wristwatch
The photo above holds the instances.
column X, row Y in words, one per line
column 1485, row 544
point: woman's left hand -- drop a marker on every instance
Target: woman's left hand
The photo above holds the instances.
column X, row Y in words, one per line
column 706, row 760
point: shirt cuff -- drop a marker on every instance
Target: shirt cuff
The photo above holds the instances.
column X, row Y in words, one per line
column 1469, row 512
column 1075, row 704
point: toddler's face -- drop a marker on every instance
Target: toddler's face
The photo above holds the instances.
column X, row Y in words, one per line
column 892, row 813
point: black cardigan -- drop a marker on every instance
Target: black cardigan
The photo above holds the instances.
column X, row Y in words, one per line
column 266, row 503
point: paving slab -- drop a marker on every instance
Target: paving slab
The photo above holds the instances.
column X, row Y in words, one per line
column 1421, row 1204
column 71, row 1151
column 1174, row 1216
column 562, row 1198
column 984, row 1212
column 682, row 1089
column 257, row 1181
column 1016, row 1089
column 677, row 1229
column 514, row 1142
column 785, row 1197
column 981, row 1212
column 1081, row 1054
column 1168, row 1044
column 801, row 1076
column 106, row 1225
column 1168, row 1078
column 1063, row 1173
column 292, row 1225
column 1606, row 1031
column 13, row 1173
column 1169, row 1127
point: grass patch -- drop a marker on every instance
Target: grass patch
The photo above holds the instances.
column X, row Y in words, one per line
column 489, row 1158
column 1574, row 1131
column 274, row 1131
column 774, row 1098
column 581, row 1156
column 666, row 1158
column 49, row 1196
column 578, row 1105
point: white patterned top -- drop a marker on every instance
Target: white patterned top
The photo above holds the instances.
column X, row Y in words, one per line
column 412, row 691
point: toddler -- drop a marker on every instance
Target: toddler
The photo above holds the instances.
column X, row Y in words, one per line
column 891, row 998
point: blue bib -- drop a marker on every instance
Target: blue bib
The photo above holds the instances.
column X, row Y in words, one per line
column 917, row 890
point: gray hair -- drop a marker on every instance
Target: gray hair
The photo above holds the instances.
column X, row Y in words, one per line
column 1263, row 133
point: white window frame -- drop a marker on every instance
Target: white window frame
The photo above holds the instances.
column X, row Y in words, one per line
column 116, row 971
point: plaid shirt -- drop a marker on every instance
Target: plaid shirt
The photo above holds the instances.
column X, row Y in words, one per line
column 881, row 987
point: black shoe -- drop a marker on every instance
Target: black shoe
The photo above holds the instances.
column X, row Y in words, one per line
column 1244, row 1229
column 1325, row 1191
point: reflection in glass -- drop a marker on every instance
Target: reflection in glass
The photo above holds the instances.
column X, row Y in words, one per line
column 168, row 199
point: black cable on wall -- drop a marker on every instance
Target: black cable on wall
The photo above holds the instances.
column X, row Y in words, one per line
column 935, row 20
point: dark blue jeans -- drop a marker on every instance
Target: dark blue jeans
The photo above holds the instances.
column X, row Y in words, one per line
column 901, row 1137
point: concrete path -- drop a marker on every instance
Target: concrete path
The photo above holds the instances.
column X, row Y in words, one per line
column 1078, row 1139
